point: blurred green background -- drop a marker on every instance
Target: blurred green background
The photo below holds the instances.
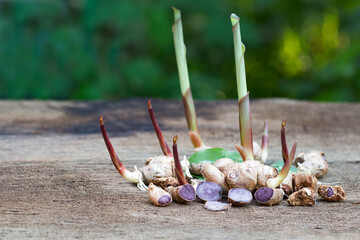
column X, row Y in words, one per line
column 108, row 49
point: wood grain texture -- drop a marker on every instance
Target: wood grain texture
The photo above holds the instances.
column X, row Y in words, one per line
column 57, row 180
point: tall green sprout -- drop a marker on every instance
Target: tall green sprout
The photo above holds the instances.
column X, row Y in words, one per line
column 189, row 107
column 246, row 148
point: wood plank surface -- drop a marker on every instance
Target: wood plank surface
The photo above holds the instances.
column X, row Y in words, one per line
column 57, row 181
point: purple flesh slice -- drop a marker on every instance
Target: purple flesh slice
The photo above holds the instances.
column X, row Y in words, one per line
column 217, row 206
column 240, row 195
column 264, row 194
column 209, row 191
column 329, row 192
column 163, row 200
column 187, row 192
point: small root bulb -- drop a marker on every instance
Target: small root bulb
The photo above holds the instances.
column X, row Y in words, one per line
column 224, row 165
column 160, row 160
column 303, row 197
column 303, row 180
column 287, row 185
column 331, row 193
column 239, row 196
column 209, row 191
column 213, row 174
column 195, row 168
column 166, row 182
column 243, row 175
column 158, row 197
column 217, row 206
column 182, row 194
column 157, row 167
column 269, row 196
column 314, row 161
column 264, row 173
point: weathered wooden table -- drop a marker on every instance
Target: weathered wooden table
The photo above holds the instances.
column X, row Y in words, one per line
column 58, row 182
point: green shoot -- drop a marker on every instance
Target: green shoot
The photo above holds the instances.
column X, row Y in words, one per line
column 136, row 176
column 275, row 182
column 164, row 147
column 239, row 49
column 178, row 170
column 243, row 95
column 189, row 106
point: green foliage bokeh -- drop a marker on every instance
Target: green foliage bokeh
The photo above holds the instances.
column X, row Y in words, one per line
column 108, row 49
